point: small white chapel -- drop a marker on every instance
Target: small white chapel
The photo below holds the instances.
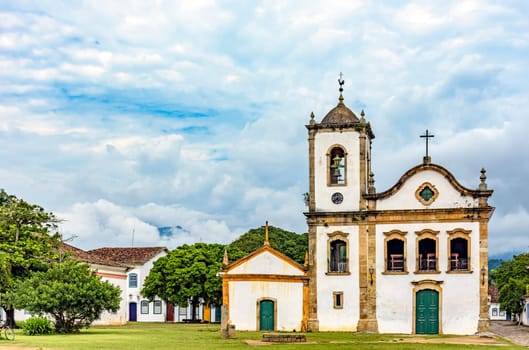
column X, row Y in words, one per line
column 411, row 259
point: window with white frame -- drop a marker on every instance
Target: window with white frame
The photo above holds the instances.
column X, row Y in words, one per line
column 133, row 280
column 157, row 306
column 144, row 309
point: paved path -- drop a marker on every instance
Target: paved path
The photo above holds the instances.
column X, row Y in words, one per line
column 511, row 331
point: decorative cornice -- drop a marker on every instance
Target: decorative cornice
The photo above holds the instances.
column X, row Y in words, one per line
column 434, row 167
column 338, row 234
column 263, row 277
column 395, row 232
column 264, row 248
column 418, row 283
column 459, row 230
column 427, row 231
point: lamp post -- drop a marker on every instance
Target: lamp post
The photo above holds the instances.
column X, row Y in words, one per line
column 371, row 272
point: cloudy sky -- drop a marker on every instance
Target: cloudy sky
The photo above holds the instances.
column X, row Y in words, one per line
column 124, row 118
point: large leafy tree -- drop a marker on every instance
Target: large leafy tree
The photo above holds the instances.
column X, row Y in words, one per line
column 28, row 242
column 69, row 292
column 289, row 243
column 189, row 273
column 512, row 279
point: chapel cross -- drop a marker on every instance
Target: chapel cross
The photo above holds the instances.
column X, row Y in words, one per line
column 427, row 136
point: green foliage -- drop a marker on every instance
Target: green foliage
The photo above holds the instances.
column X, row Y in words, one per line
column 28, row 242
column 511, row 277
column 69, row 292
column 289, row 243
column 36, row 326
column 187, row 273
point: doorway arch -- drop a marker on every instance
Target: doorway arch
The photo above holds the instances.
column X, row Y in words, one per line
column 427, row 307
column 266, row 314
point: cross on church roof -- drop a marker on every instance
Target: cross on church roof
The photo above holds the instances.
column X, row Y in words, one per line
column 427, row 136
column 427, row 159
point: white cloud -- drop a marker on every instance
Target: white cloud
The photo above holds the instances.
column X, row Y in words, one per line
column 193, row 113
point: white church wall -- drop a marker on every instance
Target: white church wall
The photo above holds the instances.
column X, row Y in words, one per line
column 350, row 141
column 266, row 263
column 346, row 318
column 460, row 291
column 405, row 197
column 288, row 297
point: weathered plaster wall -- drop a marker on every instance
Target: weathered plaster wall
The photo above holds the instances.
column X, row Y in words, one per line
column 344, row 319
column 266, row 263
column 245, row 294
column 460, row 291
column 350, row 141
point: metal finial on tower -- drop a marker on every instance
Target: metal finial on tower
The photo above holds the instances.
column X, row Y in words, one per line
column 341, row 82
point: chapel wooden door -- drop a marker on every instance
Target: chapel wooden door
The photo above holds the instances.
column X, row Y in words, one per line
column 427, row 312
column 266, row 315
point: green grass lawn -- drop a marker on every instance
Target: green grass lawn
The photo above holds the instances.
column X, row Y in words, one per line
column 159, row 336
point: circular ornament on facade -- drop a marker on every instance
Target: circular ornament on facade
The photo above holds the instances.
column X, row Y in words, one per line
column 337, row 198
column 426, row 193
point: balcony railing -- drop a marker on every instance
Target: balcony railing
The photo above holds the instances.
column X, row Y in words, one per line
column 338, row 266
column 427, row 262
column 396, row 263
column 457, row 263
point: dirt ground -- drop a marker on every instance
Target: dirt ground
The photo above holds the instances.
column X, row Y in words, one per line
column 511, row 331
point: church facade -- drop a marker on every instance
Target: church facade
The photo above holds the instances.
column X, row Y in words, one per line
column 411, row 259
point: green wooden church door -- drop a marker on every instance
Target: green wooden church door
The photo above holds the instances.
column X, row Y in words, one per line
column 266, row 315
column 427, row 312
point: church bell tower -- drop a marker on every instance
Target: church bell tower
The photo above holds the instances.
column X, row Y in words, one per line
column 339, row 177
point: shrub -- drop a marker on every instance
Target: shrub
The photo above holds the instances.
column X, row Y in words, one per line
column 37, row 326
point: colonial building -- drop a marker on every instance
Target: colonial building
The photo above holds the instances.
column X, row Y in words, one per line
column 265, row 290
column 410, row 259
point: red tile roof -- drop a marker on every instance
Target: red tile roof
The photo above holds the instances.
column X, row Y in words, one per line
column 122, row 257
column 132, row 256
column 84, row 256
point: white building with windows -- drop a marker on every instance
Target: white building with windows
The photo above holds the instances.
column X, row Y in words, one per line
column 139, row 262
column 127, row 269
column 411, row 259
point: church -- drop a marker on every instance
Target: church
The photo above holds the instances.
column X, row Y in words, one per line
column 411, row 259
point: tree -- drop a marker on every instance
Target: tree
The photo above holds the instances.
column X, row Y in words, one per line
column 512, row 279
column 28, row 242
column 289, row 243
column 188, row 273
column 69, row 292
